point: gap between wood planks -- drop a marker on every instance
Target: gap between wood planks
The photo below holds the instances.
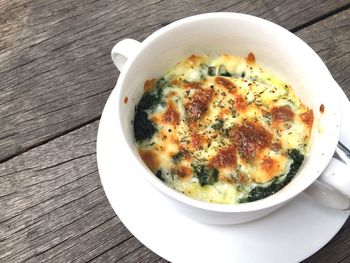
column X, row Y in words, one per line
column 137, row 253
column 293, row 30
column 50, row 139
column 320, row 18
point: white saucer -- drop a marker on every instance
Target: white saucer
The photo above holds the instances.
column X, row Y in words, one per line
column 290, row 234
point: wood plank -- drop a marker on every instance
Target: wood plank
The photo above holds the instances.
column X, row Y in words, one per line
column 52, row 206
column 70, row 220
column 118, row 252
column 55, row 67
column 142, row 254
column 330, row 38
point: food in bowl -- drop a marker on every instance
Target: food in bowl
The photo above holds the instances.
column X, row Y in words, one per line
column 222, row 130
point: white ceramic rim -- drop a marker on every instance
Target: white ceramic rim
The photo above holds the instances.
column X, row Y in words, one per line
column 244, row 207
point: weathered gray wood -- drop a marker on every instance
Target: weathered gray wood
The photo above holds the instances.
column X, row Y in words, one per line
column 118, row 252
column 52, row 206
column 330, row 38
column 141, row 254
column 54, row 210
column 50, row 191
column 55, row 68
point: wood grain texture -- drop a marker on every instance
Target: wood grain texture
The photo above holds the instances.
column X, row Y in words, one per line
column 330, row 38
column 55, row 75
column 53, row 209
column 55, row 67
column 52, row 206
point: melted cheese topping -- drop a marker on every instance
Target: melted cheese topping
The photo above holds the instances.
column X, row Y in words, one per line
column 222, row 127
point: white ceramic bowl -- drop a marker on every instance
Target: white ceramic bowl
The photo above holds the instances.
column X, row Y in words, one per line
column 211, row 34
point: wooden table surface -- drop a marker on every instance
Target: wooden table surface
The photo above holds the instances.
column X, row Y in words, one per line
column 55, row 77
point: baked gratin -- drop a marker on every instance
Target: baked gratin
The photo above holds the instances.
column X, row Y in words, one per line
column 222, row 130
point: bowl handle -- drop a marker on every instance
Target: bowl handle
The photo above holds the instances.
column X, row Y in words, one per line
column 333, row 187
column 124, row 50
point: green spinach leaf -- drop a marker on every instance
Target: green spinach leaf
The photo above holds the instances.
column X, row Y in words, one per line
column 205, row 175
